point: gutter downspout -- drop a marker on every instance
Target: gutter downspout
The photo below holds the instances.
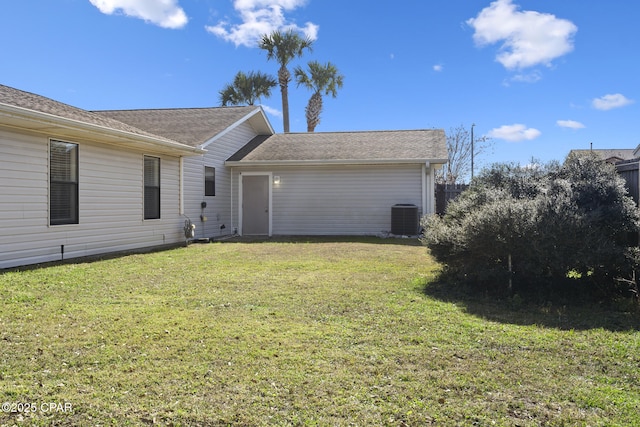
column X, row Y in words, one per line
column 232, row 219
column 425, row 197
column 181, row 189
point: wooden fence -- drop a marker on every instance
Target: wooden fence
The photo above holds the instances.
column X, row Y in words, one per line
column 445, row 193
column 629, row 172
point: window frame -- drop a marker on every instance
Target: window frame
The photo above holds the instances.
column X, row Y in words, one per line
column 151, row 190
column 68, row 188
column 210, row 184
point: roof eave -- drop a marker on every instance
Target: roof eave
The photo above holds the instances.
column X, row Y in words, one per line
column 41, row 122
column 256, row 163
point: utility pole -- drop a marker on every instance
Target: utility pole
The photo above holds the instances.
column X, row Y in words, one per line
column 472, row 150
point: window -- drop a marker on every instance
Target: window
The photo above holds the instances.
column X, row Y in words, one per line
column 63, row 183
column 151, row 187
column 209, row 181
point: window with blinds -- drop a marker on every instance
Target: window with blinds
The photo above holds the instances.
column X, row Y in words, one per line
column 63, row 183
column 151, row 187
column 209, row 181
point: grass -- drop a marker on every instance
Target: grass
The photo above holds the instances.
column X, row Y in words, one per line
column 305, row 332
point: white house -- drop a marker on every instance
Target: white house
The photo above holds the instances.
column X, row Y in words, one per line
column 343, row 183
column 221, row 132
column 73, row 183
column 76, row 183
column 338, row 183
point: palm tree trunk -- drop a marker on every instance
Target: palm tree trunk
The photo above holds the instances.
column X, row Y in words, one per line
column 284, row 77
column 313, row 110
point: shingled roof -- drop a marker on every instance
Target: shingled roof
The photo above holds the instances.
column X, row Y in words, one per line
column 31, row 101
column 191, row 126
column 400, row 146
column 611, row 155
column 45, row 114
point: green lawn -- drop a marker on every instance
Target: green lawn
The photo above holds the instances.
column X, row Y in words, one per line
column 320, row 332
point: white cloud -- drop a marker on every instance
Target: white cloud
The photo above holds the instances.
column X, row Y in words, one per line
column 261, row 17
column 272, row 111
column 571, row 124
column 164, row 13
column 438, row 67
column 528, row 38
column 514, row 133
column 531, row 77
column 609, row 102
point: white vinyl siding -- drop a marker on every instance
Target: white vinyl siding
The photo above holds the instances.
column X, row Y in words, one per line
column 23, row 188
column 218, row 210
column 341, row 199
column 110, row 203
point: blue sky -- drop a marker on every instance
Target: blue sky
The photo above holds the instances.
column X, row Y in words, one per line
column 540, row 77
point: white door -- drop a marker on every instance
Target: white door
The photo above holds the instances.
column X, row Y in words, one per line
column 255, row 205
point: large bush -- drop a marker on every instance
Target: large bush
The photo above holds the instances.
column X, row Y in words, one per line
column 545, row 232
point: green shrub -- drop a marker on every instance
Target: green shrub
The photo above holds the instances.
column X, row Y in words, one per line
column 548, row 232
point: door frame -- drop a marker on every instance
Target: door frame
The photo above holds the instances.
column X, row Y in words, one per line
column 269, row 176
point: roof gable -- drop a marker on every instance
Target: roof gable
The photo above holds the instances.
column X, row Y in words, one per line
column 346, row 147
column 191, row 126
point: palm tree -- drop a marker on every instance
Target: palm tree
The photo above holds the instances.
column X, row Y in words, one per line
column 322, row 79
column 247, row 88
column 283, row 47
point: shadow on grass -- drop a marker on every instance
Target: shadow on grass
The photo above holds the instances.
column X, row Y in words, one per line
column 623, row 315
column 93, row 258
column 392, row 240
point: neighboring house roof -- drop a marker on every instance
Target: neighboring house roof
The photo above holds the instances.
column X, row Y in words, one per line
column 196, row 127
column 621, row 165
column 26, row 110
column 611, row 155
column 365, row 147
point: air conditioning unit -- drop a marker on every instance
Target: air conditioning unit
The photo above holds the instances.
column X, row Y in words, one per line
column 404, row 220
